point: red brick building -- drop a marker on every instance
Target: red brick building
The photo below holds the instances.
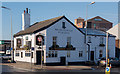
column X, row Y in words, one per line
column 94, row 23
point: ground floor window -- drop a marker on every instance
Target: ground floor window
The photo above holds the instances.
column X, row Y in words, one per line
column 68, row 53
column 52, row 54
column 80, row 53
column 49, row 54
column 27, row 54
column 17, row 54
column 100, row 53
column 55, row 53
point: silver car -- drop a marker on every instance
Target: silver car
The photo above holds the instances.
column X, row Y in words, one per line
column 102, row 62
column 5, row 56
column 112, row 62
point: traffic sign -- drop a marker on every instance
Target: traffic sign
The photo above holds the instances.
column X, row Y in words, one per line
column 107, row 70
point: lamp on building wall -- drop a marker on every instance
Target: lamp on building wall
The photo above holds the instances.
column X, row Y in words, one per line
column 11, row 33
column 86, row 25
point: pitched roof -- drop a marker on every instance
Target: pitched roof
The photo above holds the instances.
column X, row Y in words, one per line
column 95, row 32
column 39, row 26
column 100, row 18
column 115, row 30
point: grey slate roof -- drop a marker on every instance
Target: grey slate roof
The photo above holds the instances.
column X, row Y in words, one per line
column 38, row 26
column 94, row 32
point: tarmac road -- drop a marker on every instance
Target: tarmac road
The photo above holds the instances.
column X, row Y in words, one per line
column 6, row 68
column 11, row 70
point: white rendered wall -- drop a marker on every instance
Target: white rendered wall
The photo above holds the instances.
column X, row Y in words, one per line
column 94, row 46
column 77, row 40
column 25, row 58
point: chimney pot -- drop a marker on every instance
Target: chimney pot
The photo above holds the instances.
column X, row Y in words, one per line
column 24, row 11
column 27, row 10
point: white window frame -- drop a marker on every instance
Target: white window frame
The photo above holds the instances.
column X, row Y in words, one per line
column 80, row 53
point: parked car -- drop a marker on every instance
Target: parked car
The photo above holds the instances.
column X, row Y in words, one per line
column 4, row 56
column 112, row 61
column 102, row 62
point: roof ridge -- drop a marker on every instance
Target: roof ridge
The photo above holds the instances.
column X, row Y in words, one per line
column 37, row 26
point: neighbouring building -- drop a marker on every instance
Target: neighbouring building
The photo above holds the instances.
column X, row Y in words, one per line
column 94, row 23
column 5, row 46
column 58, row 41
column 115, row 30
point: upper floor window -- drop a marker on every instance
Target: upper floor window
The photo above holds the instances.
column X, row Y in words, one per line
column 63, row 25
column 54, row 40
column 94, row 26
column 101, row 40
column 69, row 40
column 26, row 38
column 97, row 19
column 100, row 53
column 28, row 44
column 89, row 39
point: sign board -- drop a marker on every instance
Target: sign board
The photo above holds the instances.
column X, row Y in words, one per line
column 8, row 51
column 39, row 40
column 1, row 42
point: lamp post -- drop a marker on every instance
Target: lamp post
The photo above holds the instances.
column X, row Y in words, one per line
column 86, row 26
column 106, row 49
column 12, row 56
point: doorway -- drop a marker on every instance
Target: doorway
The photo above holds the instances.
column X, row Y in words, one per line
column 92, row 55
column 63, row 60
column 38, row 57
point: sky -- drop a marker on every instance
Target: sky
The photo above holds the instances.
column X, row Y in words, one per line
column 40, row 11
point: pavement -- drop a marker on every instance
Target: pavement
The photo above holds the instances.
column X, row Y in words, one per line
column 29, row 66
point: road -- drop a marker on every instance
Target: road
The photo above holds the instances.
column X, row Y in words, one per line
column 11, row 70
column 6, row 68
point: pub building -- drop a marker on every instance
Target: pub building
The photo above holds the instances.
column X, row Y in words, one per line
column 58, row 41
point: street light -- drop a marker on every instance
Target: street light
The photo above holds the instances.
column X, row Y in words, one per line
column 86, row 26
column 12, row 56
